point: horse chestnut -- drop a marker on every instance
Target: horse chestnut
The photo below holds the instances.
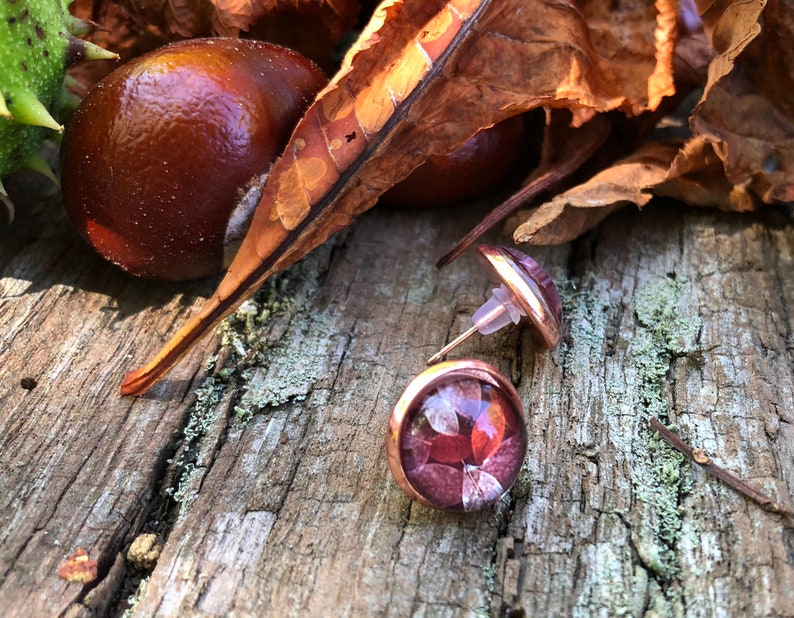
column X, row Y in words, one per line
column 464, row 174
column 156, row 157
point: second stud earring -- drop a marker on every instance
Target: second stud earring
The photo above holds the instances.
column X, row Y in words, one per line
column 457, row 437
column 526, row 293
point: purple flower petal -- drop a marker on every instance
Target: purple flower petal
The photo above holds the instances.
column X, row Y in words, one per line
column 480, row 489
column 506, row 462
column 440, row 484
column 441, row 415
column 464, row 396
column 414, row 452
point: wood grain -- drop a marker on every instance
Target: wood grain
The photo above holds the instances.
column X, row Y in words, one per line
column 284, row 503
column 79, row 463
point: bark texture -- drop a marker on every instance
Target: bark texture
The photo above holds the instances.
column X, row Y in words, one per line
column 266, row 482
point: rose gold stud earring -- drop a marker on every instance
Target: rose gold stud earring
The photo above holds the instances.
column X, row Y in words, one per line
column 457, row 437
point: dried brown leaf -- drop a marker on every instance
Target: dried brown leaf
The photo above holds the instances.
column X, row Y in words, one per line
column 629, row 181
column 730, row 25
column 747, row 112
column 233, row 16
column 118, row 31
column 377, row 120
column 312, row 27
column 742, row 149
column 637, row 40
column 697, row 177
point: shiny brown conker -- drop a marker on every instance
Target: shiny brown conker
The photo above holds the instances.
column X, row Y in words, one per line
column 155, row 158
column 466, row 173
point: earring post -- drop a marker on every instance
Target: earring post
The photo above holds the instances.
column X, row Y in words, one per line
column 452, row 344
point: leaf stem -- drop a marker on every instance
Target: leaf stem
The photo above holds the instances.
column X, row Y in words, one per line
column 546, row 176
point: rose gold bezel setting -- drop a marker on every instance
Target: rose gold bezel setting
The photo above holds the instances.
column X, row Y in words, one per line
column 419, row 388
column 528, row 292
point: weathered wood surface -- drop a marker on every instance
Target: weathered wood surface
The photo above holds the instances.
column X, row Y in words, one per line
column 284, row 504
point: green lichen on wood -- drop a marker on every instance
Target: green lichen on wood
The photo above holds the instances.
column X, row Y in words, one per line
column 251, row 371
column 590, row 315
column 659, row 475
column 633, row 357
column 202, row 415
column 622, row 586
column 134, row 599
column 280, row 360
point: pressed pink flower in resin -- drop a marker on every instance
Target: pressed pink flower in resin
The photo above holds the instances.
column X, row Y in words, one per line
column 457, row 438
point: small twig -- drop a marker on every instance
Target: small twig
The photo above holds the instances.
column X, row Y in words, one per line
column 699, row 456
column 527, row 193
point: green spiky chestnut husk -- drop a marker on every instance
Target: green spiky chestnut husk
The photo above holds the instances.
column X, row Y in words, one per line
column 37, row 45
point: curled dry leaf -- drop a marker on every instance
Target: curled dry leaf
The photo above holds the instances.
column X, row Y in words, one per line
column 697, row 177
column 747, row 112
column 382, row 115
column 572, row 213
column 741, row 151
column 637, row 39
